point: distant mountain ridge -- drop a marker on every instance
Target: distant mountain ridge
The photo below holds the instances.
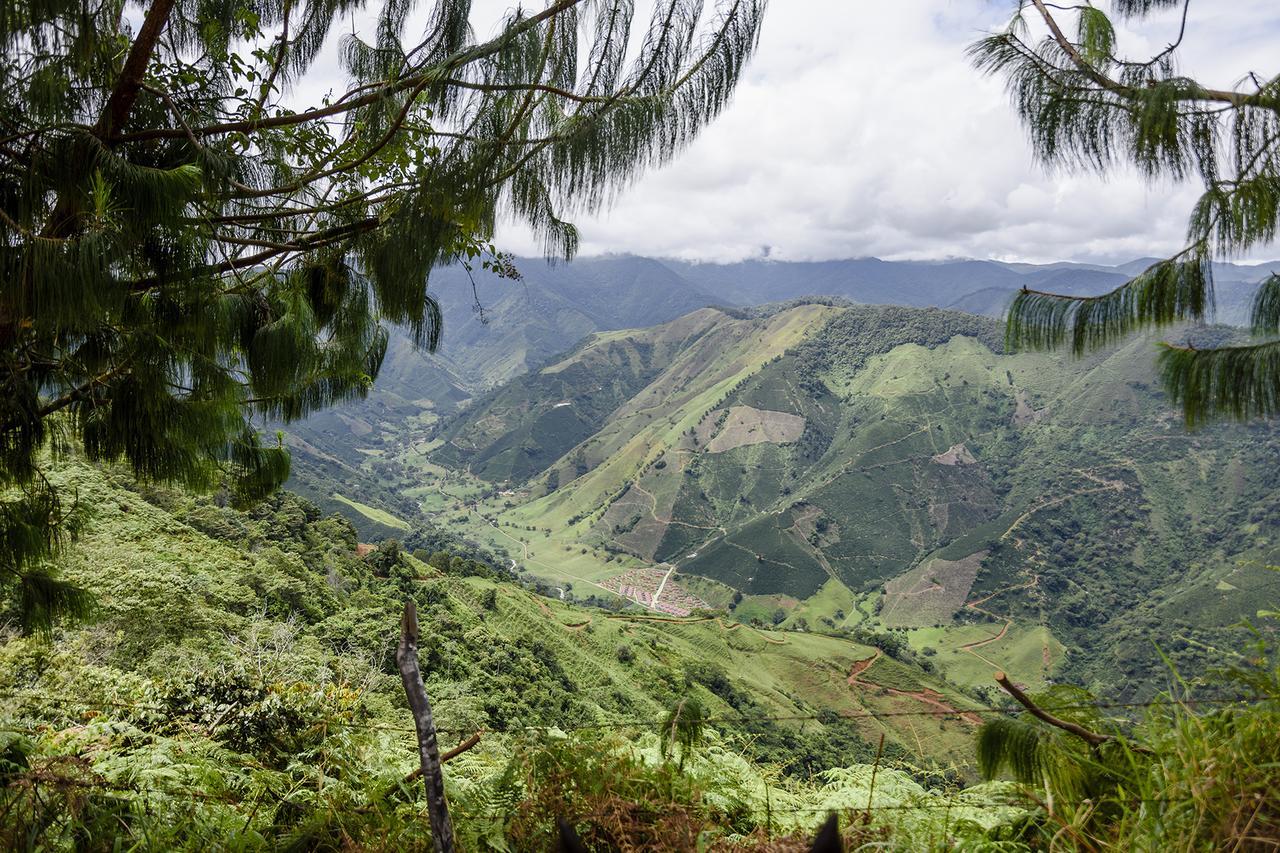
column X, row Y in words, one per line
column 496, row 329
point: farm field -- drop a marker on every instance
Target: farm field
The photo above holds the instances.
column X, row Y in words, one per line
column 971, row 654
column 374, row 514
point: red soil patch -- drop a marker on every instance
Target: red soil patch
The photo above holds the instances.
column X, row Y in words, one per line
column 932, row 698
column 862, row 666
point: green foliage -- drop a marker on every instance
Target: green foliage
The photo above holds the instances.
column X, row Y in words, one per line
column 683, row 728
column 1085, row 107
column 1043, row 757
column 1189, row 776
column 236, row 687
column 1167, row 292
column 185, row 248
column 1238, row 382
column 620, row 794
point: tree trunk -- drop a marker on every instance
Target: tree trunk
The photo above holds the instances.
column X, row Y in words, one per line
column 428, row 749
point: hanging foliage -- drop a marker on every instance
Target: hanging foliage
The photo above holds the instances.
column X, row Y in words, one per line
column 185, row 246
column 1086, row 107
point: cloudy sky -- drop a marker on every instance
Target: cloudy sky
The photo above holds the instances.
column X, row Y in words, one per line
column 860, row 129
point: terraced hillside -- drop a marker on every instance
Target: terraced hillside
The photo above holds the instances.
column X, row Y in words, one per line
column 839, row 468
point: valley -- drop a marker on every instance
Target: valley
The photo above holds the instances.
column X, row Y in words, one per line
column 844, row 470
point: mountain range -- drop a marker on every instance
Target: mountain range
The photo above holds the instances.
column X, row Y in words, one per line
column 830, row 467
column 497, row 329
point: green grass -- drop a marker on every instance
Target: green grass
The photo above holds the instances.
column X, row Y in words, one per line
column 1020, row 653
column 828, row 603
column 373, row 513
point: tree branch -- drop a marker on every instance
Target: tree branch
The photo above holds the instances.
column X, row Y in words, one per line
column 122, row 97
column 1092, row 738
column 448, row 756
column 1236, row 99
column 459, row 60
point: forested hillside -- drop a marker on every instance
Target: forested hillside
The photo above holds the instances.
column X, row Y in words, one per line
column 838, row 467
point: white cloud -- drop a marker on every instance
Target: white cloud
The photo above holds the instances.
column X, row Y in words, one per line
column 861, row 129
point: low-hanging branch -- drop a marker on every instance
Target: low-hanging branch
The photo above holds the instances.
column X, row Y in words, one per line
column 1091, row 738
column 1088, row 109
column 168, row 205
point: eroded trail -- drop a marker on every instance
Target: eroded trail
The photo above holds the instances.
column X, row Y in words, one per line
column 862, row 666
column 932, row 698
column 976, row 605
column 1106, row 486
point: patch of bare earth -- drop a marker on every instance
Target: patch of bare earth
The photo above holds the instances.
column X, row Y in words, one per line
column 654, row 589
column 931, row 698
column 931, row 593
column 958, row 454
column 1023, row 413
column 807, row 518
column 746, row 425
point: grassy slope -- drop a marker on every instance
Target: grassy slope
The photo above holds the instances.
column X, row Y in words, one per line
column 174, row 600
column 374, row 514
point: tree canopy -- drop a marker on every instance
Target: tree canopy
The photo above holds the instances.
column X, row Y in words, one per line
column 1088, row 107
column 186, row 245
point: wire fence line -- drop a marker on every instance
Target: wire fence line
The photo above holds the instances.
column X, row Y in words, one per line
column 623, row 725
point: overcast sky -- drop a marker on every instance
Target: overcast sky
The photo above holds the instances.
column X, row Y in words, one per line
column 861, row 129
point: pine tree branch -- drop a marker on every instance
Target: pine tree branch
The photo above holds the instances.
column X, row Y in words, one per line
column 129, row 84
column 80, row 392
column 1236, row 99
column 458, row 60
column 1092, row 738
column 63, row 220
column 318, row 240
column 527, row 87
column 265, row 91
column 347, row 166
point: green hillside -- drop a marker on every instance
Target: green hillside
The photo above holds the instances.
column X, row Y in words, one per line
column 522, row 428
column 879, row 467
column 241, row 649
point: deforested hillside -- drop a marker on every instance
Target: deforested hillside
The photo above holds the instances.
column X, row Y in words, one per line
column 836, row 468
